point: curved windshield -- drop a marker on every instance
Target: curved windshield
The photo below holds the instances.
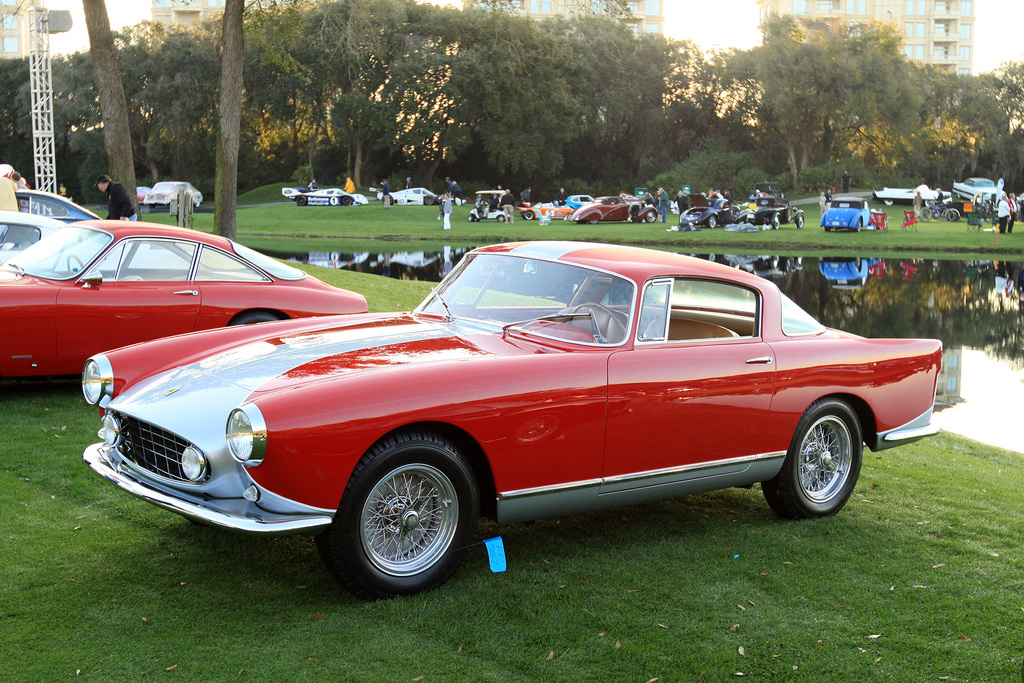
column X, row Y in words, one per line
column 62, row 255
column 544, row 298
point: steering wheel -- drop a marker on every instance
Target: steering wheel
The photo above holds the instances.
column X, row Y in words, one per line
column 78, row 260
column 602, row 318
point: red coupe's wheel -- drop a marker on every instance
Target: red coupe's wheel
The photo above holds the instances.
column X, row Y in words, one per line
column 594, row 221
column 407, row 515
column 822, row 464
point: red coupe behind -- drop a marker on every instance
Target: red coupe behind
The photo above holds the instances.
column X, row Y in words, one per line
column 98, row 285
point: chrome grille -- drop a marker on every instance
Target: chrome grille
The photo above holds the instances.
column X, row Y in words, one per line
column 151, row 448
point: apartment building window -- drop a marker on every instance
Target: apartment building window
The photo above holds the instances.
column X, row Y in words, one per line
column 10, row 45
column 964, row 71
column 634, row 6
column 653, row 8
column 965, row 8
column 965, row 31
column 941, row 29
column 799, row 6
column 10, row 21
column 857, row 6
column 941, row 7
column 915, row 6
column 908, row 29
column 965, row 53
column 919, row 52
column 940, row 52
column 908, row 50
column 9, row 2
column 652, row 27
column 919, row 29
column 540, row 6
column 163, row 3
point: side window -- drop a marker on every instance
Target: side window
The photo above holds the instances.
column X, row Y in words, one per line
column 686, row 309
column 216, row 265
column 107, row 267
column 45, row 207
column 149, row 261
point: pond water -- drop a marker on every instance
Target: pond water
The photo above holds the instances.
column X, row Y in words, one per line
column 973, row 306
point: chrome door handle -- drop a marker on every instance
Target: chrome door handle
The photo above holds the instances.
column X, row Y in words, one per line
column 193, row 292
column 761, row 360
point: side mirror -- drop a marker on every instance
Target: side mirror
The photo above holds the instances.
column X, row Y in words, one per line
column 92, row 280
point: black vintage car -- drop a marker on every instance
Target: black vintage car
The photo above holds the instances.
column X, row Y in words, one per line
column 772, row 208
column 711, row 212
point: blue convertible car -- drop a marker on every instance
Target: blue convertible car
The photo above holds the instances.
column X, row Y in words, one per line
column 847, row 213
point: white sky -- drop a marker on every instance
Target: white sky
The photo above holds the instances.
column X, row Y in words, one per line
column 999, row 27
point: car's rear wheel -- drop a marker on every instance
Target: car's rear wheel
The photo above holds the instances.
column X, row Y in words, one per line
column 501, row 218
column 347, row 201
column 822, row 464
column 301, row 201
column 860, row 224
column 473, row 218
column 650, row 216
column 253, row 317
column 799, row 221
column 775, row 221
column 406, row 518
column 888, row 202
column 712, row 222
column 951, row 215
column 529, row 215
column 593, row 221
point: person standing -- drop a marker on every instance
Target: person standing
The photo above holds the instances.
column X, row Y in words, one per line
column 385, row 193
column 508, row 206
column 408, row 182
column 662, row 203
column 8, row 198
column 524, row 197
column 446, row 210
column 918, row 202
column 682, row 202
column 1013, row 213
column 1003, row 212
column 846, row 181
column 350, row 187
column 120, row 207
column 561, row 197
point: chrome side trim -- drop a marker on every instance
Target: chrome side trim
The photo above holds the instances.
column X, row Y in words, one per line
column 250, row 521
column 598, row 494
column 919, row 433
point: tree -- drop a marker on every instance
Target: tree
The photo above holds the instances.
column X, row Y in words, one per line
column 113, row 107
column 230, row 111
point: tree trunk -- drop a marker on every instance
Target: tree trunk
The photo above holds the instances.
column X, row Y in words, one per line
column 113, row 106
column 230, row 110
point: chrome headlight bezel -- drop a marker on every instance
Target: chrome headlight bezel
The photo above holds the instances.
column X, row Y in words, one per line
column 97, row 379
column 193, row 464
column 246, row 434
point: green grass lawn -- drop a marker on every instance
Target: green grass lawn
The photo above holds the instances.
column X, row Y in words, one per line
column 284, row 227
column 919, row 578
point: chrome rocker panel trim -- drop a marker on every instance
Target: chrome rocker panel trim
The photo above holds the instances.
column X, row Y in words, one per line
column 642, row 487
column 257, row 522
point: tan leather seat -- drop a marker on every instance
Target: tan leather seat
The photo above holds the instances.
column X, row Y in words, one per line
column 684, row 328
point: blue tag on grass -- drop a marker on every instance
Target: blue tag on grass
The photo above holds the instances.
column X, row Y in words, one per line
column 496, row 554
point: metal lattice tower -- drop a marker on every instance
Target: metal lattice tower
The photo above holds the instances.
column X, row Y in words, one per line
column 42, row 99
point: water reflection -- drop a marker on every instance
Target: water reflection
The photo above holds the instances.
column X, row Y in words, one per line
column 973, row 306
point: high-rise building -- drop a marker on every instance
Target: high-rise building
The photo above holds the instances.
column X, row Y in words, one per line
column 939, row 32
column 647, row 16
column 186, row 12
column 13, row 29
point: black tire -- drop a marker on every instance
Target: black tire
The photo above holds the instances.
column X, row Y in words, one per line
column 650, row 216
column 347, row 201
column 888, row 202
column 775, row 221
column 712, row 222
column 301, row 201
column 798, row 220
column 593, row 221
column 822, row 464
column 252, row 317
column 473, row 218
column 501, row 218
column 529, row 215
column 828, row 229
column 951, row 215
column 408, row 513
column 860, row 224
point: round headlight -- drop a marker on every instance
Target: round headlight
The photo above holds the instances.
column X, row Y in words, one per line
column 110, row 432
column 193, row 464
column 247, row 435
column 97, row 379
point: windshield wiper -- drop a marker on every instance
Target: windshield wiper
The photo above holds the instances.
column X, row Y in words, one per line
column 447, row 313
column 15, row 267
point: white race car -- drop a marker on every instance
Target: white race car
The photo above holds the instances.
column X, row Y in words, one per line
column 414, row 195
column 323, row 196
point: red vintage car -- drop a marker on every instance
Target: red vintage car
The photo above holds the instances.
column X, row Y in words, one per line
column 625, row 207
column 538, row 379
column 97, row 285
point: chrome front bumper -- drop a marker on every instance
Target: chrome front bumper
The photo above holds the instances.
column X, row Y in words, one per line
column 248, row 519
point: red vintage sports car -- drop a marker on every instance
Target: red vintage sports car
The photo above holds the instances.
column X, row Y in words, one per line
column 625, row 207
column 538, row 379
column 97, row 285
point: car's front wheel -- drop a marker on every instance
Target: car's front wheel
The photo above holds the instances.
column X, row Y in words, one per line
column 951, row 215
column 799, row 221
column 406, row 518
column 822, row 464
column 347, row 201
column 301, row 201
column 529, row 215
column 650, row 216
column 712, row 222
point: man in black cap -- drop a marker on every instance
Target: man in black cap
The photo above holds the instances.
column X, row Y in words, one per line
column 119, row 204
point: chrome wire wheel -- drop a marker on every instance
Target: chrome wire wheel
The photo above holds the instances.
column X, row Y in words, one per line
column 409, row 519
column 826, row 455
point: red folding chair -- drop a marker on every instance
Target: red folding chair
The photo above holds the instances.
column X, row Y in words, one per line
column 909, row 220
column 879, row 219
